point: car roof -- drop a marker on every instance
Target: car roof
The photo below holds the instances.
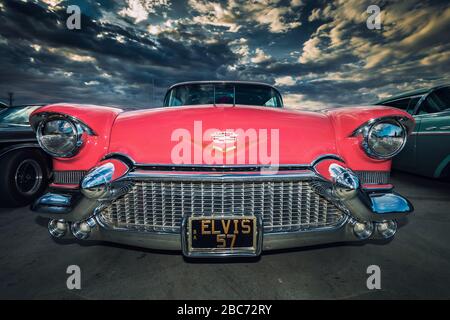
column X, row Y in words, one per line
column 411, row 93
column 222, row 82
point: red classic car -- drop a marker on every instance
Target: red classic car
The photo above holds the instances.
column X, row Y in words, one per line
column 222, row 169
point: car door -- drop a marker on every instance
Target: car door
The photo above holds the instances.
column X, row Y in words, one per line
column 433, row 135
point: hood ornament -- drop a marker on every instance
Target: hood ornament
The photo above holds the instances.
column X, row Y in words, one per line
column 223, row 139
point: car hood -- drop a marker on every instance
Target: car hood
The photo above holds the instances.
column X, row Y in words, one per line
column 222, row 135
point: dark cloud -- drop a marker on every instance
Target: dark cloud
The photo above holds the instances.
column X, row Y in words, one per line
column 118, row 67
column 319, row 53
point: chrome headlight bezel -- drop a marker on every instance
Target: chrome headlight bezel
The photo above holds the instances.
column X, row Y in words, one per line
column 77, row 127
column 366, row 131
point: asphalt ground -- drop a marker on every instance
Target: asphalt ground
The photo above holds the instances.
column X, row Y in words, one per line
column 415, row 264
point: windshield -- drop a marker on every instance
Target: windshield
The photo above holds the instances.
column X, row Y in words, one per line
column 233, row 93
column 16, row 116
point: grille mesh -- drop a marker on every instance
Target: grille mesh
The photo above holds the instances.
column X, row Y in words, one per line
column 68, row 177
column 373, row 177
column 159, row 206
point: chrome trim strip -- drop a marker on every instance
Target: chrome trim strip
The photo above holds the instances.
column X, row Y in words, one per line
column 405, row 121
column 44, row 116
column 119, row 156
column 431, row 133
column 208, row 176
column 218, row 167
column 330, row 156
column 222, row 82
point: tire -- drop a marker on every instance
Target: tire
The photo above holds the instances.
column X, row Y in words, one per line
column 23, row 177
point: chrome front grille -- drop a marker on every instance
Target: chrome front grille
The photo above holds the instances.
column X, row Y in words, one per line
column 159, row 206
column 68, row 177
column 373, row 177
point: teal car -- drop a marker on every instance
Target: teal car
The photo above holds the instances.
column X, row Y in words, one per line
column 427, row 152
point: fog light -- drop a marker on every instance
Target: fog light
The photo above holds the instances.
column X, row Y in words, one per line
column 58, row 228
column 82, row 230
column 387, row 228
column 363, row 230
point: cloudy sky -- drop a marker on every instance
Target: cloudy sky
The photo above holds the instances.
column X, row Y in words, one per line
column 127, row 52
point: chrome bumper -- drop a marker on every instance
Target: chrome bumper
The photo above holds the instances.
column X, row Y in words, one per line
column 270, row 241
column 79, row 210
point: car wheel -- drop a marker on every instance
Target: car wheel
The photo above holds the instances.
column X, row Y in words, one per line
column 25, row 177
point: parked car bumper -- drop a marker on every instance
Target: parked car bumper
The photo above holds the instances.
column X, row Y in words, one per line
column 361, row 213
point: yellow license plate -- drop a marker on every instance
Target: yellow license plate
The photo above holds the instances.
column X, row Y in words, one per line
column 231, row 234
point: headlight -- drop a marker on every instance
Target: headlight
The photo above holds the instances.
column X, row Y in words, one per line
column 59, row 137
column 384, row 139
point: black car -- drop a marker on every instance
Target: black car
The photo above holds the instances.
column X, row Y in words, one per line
column 24, row 167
